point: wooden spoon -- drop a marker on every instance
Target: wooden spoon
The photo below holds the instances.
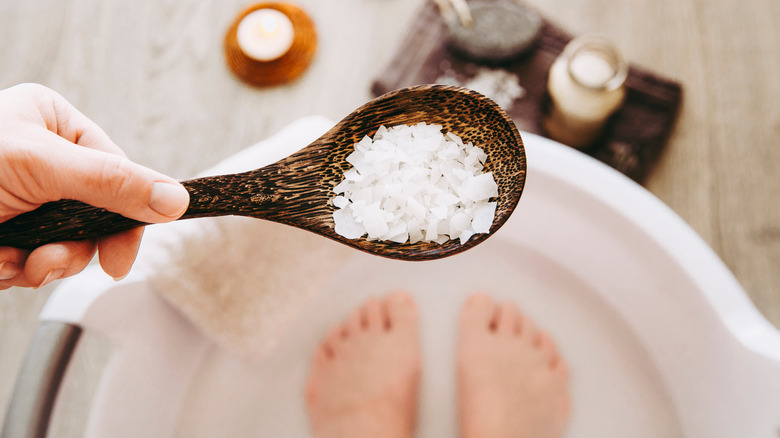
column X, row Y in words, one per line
column 297, row 190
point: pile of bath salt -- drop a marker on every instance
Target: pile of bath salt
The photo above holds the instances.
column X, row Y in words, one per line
column 414, row 183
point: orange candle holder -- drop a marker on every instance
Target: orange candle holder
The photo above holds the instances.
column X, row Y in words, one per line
column 281, row 70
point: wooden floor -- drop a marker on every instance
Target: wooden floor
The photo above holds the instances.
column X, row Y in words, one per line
column 151, row 73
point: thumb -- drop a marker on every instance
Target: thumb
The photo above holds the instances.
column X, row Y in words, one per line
column 115, row 183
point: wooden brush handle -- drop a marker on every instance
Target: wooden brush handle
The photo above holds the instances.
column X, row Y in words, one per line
column 68, row 220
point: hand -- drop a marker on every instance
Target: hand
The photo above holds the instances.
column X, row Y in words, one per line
column 50, row 151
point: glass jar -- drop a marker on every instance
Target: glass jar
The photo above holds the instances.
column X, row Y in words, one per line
column 586, row 85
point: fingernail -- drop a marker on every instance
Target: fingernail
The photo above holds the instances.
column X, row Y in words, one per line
column 8, row 270
column 54, row 274
column 168, row 199
column 120, row 278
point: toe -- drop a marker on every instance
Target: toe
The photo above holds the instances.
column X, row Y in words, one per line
column 353, row 323
column 311, row 393
column 326, row 351
column 344, row 330
column 401, row 311
column 507, row 317
column 526, row 329
column 333, row 339
column 322, row 355
column 549, row 349
column 478, row 311
column 520, row 324
column 561, row 368
column 371, row 315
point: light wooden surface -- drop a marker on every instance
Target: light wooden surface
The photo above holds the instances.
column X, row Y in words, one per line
column 151, row 73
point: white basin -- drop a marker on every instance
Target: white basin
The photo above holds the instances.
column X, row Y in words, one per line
column 661, row 339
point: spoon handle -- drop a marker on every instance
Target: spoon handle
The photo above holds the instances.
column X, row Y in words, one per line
column 68, row 220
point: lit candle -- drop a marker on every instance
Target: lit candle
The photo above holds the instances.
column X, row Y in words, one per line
column 265, row 34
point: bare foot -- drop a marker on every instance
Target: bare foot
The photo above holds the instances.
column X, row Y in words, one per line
column 365, row 376
column 511, row 381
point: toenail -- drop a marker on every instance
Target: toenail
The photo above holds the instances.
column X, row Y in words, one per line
column 54, row 274
column 8, row 270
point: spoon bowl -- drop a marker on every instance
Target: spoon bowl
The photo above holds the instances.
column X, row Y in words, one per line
column 297, row 190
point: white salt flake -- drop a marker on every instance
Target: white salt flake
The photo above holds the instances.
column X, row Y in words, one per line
column 373, row 220
column 340, row 201
column 481, row 187
column 483, row 217
column 459, row 223
column 400, row 238
column 415, row 209
column 465, row 236
column 346, row 225
column 432, row 230
column 442, row 239
column 341, row 187
column 415, row 236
